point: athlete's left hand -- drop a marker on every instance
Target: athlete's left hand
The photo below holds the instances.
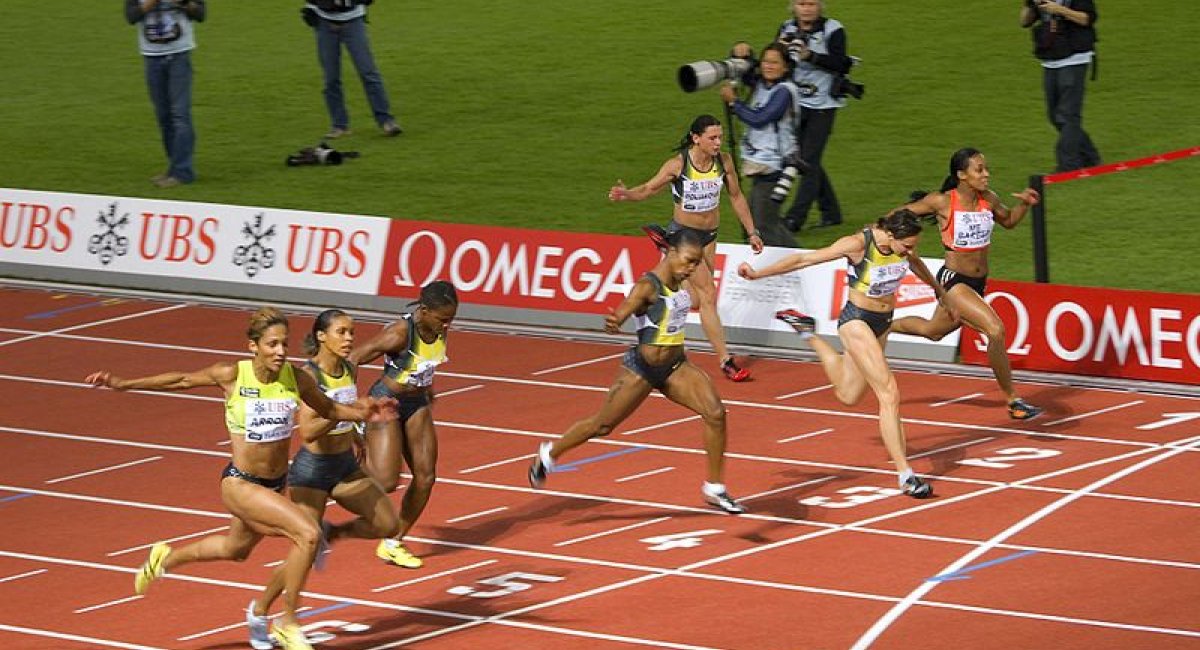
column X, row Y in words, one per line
column 381, row 409
column 756, row 243
column 1028, row 196
column 611, row 324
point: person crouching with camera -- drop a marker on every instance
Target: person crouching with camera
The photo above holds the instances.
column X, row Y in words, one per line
column 770, row 140
column 817, row 46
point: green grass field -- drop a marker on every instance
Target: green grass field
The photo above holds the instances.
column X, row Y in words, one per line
column 523, row 114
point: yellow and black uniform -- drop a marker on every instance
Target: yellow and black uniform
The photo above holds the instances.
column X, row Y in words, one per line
column 697, row 191
column 261, row 413
column 662, row 324
column 413, row 367
column 324, row 471
column 876, row 275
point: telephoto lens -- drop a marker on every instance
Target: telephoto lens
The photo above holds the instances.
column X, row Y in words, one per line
column 783, row 186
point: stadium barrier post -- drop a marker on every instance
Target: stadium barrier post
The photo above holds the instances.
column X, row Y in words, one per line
column 1041, row 257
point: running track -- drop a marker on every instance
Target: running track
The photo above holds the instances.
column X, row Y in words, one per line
column 1076, row 530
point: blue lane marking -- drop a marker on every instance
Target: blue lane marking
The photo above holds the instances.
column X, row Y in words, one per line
column 571, row 467
column 14, row 497
column 961, row 573
column 66, row 310
column 322, row 610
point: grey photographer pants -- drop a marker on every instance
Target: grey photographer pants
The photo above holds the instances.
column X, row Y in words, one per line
column 766, row 212
column 1064, row 89
column 814, row 127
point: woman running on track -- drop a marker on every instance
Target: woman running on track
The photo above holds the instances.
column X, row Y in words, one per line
column 697, row 176
column 413, row 347
column 659, row 305
column 966, row 212
column 879, row 258
column 262, row 395
column 326, row 466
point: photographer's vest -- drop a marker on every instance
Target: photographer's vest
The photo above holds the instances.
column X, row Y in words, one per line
column 768, row 145
column 665, row 319
column 329, row 10
column 164, row 30
column 815, row 84
column 698, row 191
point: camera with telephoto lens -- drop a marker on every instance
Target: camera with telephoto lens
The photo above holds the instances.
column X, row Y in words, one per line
column 321, row 154
column 843, row 85
column 793, row 166
column 702, row 74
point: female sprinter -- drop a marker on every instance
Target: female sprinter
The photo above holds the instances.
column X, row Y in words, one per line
column 326, row 465
column 413, row 347
column 262, row 395
column 659, row 305
column 696, row 177
column 966, row 212
column 879, row 258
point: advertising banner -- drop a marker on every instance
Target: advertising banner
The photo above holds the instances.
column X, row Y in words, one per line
column 1095, row 331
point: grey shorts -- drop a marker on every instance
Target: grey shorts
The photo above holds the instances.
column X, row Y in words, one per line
column 706, row 236
column 656, row 376
column 878, row 321
column 321, row 471
column 409, row 403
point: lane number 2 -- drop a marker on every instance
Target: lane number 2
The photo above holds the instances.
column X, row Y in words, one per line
column 1004, row 458
column 508, row 583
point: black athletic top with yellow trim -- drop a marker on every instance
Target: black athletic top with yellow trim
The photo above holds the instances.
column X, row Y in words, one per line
column 664, row 320
column 698, row 191
column 877, row 274
column 416, row 364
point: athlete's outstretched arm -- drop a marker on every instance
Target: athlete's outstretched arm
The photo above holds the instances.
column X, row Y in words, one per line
column 219, row 374
column 669, row 171
column 363, row 409
column 1010, row 218
column 847, row 246
column 641, row 297
column 392, row 339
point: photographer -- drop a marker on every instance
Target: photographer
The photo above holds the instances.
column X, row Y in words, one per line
column 338, row 23
column 166, row 39
column 818, row 47
column 1063, row 39
column 770, row 138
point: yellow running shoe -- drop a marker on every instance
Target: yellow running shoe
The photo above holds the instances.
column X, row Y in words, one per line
column 152, row 569
column 289, row 637
column 392, row 551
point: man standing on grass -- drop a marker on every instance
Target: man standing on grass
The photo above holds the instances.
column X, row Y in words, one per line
column 1064, row 38
column 166, row 39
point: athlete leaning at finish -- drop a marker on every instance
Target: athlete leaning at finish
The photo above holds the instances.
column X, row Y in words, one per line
column 879, row 257
column 412, row 347
column 261, row 398
column 966, row 213
column 659, row 305
column 326, row 466
column 696, row 177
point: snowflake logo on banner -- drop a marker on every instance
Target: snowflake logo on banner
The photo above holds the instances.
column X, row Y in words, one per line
column 108, row 243
column 255, row 256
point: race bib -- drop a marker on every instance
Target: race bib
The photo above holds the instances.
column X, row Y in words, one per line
column 885, row 279
column 422, row 374
column 679, row 305
column 269, row 420
column 343, row 395
column 973, row 229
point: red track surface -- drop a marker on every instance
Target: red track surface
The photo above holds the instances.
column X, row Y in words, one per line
column 1101, row 503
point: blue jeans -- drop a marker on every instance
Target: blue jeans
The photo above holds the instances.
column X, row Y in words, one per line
column 1064, row 106
column 169, row 79
column 353, row 34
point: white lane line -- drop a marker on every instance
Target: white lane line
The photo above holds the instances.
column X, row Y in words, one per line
column 925, row 587
column 456, row 391
column 144, row 547
column 660, row 425
column 803, row 436
column 949, row 447
column 506, row 461
column 578, row 364
column 1096, row 412
column 610, row 532
column 652, row 472
column 24, row 575
column 787, row 487
column 956, row 400
column 110, row 603
column 482, row 513
column 103, row 470
column 116, row 319
column 804, row 392
column 90, row 640
column 434, row 575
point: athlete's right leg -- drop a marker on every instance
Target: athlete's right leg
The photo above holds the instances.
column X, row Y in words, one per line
column 376, row 515
column 312, row 502
column 865, row 353
column 933, row 328
column 848, row 382
column 384, row 457
column 627, row 392
column 982, row 318
column 703, row 289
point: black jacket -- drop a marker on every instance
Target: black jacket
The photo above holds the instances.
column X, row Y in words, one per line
column 1059, row 38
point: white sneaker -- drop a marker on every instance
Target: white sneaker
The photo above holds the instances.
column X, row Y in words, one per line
column 260, row 635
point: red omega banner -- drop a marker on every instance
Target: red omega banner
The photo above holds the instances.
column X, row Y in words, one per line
column 511, row 267
column 1096, row 332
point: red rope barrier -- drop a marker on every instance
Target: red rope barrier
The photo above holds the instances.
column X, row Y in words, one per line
column 1111, row 168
